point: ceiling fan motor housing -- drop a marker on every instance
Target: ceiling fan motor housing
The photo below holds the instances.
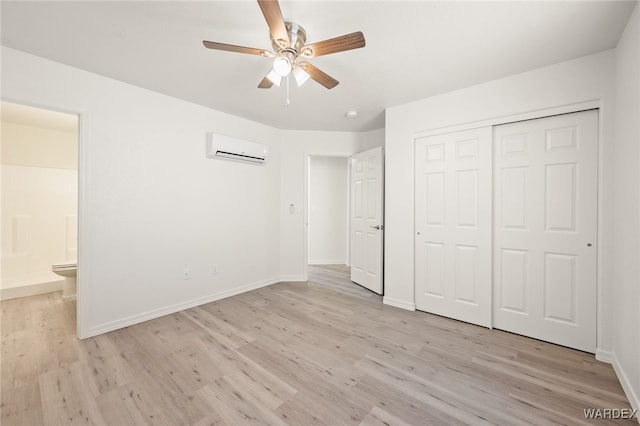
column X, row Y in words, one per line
column 297, row 39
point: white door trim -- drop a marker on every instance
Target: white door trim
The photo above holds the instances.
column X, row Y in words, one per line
column 512, row 118
column 84, row 270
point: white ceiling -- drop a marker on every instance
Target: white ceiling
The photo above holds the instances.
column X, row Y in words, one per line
column 414, row 49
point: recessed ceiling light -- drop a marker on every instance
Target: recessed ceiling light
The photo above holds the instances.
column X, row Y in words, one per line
column 351, row 114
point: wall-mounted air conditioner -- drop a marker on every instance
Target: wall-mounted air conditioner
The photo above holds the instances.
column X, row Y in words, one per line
column 229, row 148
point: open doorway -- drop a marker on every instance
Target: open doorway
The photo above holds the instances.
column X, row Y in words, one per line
column 328, row 210
column 39, row 203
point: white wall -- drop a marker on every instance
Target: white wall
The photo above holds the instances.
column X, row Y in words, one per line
column 578, row 81
column 369, row 140
column 296, row 147
column 626, row 255
column 328, row 212
column 151, row 204
column 26, row 145
column 39, row 206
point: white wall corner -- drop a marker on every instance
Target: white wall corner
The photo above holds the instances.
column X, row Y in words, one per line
column 626, row 384
column 409, row 306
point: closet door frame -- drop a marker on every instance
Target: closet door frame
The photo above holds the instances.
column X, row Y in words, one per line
column 542, row 113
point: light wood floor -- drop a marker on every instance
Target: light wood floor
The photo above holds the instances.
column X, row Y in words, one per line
column 324, row 352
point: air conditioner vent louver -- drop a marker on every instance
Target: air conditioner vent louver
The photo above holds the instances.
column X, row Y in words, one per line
column 229, row 148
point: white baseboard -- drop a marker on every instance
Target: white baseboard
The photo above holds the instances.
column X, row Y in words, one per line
column 156, row 313
column 409, row 306
column 69, row 297
column 291, row 278
column 604, row 356
column 31, row 289
column 631, row 393
column 327, row 262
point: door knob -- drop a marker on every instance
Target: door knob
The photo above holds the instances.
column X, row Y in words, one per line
column 378, row 227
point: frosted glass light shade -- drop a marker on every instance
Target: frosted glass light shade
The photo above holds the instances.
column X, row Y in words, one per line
column 274, row 77
column 300, row 75
column 282, row 65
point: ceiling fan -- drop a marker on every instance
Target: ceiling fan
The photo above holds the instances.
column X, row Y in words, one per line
column 290, row 51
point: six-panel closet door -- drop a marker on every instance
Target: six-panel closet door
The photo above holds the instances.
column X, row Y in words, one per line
column 453, row 225
column 545, row 229
column 506, row 227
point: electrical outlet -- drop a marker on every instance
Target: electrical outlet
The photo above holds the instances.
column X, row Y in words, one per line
column 186, row 274
column 214, row 269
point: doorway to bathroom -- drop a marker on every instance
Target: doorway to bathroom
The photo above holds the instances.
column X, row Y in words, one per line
column 39, row 202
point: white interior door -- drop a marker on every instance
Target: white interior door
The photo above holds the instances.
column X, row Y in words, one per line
column 546, row 228
column 453, row 225
column 367, row 184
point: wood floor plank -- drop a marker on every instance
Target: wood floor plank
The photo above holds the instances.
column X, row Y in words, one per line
column 107, row 369
column 319, row 402
column 232, row 336
column 234, row 362
column 425, row 390
column 410, row 410
column 20, row 405
column 378, row 417
column 65, row 398
column 325, row 352
column 236, row 407
column 125, row 406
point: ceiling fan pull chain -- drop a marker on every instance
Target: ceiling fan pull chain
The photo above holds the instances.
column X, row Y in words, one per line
column 287, row 101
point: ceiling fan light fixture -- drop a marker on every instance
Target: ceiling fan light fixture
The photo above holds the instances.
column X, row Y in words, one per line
column 290, row 48
column 282, row 66
column 300, row 75
column 274, row 77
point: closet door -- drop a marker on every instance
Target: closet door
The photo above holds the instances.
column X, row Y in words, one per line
column 545, row 228
column 453, row 225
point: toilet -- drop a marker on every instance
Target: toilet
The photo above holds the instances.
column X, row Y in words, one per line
column 68, row 270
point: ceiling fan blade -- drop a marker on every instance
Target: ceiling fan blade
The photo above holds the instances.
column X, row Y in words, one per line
column 234, row 48
column 265, row 84
column 275, row 21
column 318, row 75
column 334, row 45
